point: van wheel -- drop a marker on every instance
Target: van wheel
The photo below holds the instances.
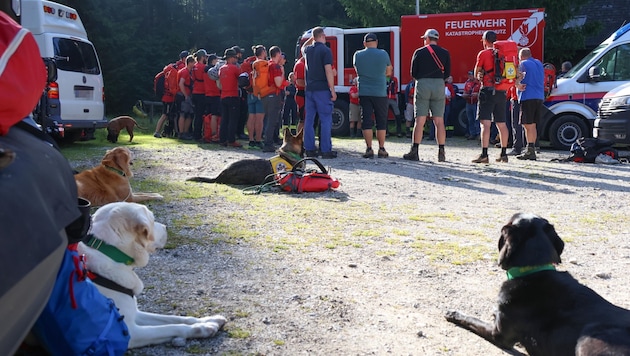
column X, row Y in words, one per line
column 340, row 118
column 565, row 130
column 461, row 124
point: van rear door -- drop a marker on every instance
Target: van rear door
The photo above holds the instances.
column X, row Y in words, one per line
column 80, row 80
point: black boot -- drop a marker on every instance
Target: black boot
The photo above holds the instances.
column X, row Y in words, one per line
column 412, row 155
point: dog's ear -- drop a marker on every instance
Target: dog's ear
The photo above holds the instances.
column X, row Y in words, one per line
column 507, row 245
column 287, row 133
column 555, row 240
column 300, row 135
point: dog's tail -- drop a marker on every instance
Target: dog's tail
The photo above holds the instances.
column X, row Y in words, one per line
column 140, row 127
column 202, row 179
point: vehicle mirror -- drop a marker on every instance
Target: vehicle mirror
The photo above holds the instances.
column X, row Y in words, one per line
column 51, row 69
column 594, row 73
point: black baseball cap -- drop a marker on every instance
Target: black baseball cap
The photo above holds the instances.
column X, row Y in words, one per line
column 370, row 37
column 183, row 54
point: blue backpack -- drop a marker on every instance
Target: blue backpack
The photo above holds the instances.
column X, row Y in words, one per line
column 78, row 319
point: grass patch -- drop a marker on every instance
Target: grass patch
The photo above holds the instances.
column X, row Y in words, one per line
column 238, row 333
column 452, row 252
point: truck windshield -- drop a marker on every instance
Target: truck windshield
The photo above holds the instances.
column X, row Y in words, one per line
column 586, row 60
column 75, row 56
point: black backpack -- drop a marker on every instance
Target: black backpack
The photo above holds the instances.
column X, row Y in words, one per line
column 585, row 150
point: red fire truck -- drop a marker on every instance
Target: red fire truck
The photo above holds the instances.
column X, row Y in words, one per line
column 460, row 34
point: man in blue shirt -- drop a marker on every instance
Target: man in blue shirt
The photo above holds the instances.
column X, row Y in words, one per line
column 319, row 94
column 531, row 94
column 373, row 67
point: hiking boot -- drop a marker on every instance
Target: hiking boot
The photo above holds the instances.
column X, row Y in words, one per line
column 252, row 144
column 382, row 153
column 529, row 155
column 502, row 158
column 311, row 153
column 368, row 153
column 441, row 156
column 481, row 159
column 412, row 155
column 157, row 135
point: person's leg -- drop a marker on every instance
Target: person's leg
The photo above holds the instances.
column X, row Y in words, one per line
column 381, row 109
column 199, row 103
column 225, row 115
column 325, row 109
column 233, row 112
column 367, row 110
column 309, row 119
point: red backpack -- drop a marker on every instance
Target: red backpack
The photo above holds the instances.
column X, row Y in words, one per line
column 505, row 64
column 550, row 78
column 165, row 82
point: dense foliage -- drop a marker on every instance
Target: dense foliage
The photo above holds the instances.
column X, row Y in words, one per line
column 135, row 39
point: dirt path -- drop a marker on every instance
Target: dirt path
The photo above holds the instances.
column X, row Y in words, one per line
column 372, row 268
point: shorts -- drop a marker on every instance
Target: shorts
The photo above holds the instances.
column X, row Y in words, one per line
column 187, row 108
column 254, row 105
column 355, row 112
column 429, row 97
column 531, row 111
column 167, row 108
column 491, row 105
column 373, row 108
column 213, row 105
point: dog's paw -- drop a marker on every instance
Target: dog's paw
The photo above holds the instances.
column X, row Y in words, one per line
column 215, row 319
column 204, row 330
column 454, row 316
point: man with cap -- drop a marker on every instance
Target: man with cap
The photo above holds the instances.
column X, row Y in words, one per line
column 430, row 66
column 491, row 106
column 182, row 60
column 199, row 91
column 373, row 66
column 471, row 94
column 230, row 99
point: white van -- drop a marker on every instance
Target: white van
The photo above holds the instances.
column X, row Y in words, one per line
column 575, row 101
column 73, row 105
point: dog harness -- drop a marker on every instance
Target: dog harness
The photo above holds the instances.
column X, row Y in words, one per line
column 108, row 250
column 279, row 164
column 108, row 283
column 517, row 272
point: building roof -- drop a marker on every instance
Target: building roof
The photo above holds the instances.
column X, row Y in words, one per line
column 610, row 14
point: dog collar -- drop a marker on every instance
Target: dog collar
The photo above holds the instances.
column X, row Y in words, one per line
column 292, row 156
column 116, row 170
column 516, row 272
column 108, row 250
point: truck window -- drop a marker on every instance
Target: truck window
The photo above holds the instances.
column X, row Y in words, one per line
column 354, row 42
column 615, row 65
column 75, row 56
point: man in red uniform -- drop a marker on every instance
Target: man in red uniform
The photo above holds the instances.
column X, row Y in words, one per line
column 471, row 93
column 168, row 98
column 272, row 103
column 491, row 106
column 185, row 84
column 213, row 100
column 198, row 91
column 230, row 99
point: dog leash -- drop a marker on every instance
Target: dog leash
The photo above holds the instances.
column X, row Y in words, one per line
column 262, row 188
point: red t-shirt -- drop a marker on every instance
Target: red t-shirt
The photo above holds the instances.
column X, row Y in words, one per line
column 180, row 64
column 354, row 90
column 471, row 87
column 299, row 72
column 184, row 73
column 198, row 74
column 275, row 70
column 485, row 60
column 228, row 76
column 210, row 86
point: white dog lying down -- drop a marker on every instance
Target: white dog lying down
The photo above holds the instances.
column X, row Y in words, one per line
column 121, row 238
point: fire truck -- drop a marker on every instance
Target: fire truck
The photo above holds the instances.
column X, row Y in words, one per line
column 460, row 34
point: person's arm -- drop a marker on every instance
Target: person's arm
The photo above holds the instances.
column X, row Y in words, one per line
column 308, row 42
column 330, row 77
column 389, row 70
column 182, row 86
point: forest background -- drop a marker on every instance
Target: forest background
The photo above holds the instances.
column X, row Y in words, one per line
column 136, row 39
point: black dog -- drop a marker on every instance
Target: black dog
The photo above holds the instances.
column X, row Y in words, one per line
column 258, row 171
column 546, row 311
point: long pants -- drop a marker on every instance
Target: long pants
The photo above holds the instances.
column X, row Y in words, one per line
column 320, row 103
column 473, row 122
column 199, row 101
column 230, row 114
column 272, row 104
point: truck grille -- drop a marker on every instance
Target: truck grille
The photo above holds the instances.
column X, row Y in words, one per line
column 604, row 108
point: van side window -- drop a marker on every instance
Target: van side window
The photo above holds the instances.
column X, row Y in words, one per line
column 615, row 65
column 75, row 56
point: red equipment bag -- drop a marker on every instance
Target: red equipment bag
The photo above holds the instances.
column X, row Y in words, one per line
column 299, row 180
column 505, row 64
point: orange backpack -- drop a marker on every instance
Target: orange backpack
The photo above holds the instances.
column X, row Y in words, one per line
column 261, row 81
column 550, row 78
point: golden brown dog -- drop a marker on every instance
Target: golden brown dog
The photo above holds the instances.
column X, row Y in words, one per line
column 117, row 124
column 109, row 182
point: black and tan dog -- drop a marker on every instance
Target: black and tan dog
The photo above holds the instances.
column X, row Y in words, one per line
column 546, row 311
column 117, row 124
column 258, row 171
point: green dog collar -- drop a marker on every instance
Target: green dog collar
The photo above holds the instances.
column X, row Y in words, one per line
column 109, row 250
column 516, row 272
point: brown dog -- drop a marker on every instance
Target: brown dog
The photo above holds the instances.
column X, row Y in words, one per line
column 109, row 182
column 117, row 124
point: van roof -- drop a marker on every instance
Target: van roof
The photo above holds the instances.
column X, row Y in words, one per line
column 41, row 16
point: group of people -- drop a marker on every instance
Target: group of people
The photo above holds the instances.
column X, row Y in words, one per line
column 485, row 104
column 217, row 109
column 225, row 107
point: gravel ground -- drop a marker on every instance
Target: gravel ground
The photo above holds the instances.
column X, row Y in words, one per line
column 369, row 269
